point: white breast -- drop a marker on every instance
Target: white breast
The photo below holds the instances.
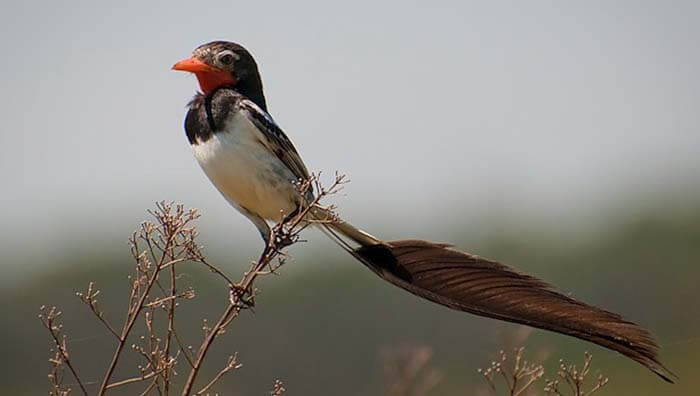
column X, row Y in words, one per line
column 247, row 174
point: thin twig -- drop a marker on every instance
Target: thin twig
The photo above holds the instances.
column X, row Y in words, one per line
column 89, row 298
column 231, row 365
column 171, row 321
column 150, row 386
column 47, row 319
column 134, row 379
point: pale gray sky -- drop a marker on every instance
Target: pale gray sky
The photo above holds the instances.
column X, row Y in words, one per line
column 457, row 108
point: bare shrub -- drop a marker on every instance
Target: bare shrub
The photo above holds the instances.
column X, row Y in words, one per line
column 519, row 376
column 574, row 379
column 159, row 248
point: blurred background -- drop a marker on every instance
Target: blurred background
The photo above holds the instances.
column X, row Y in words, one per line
column 559, row 138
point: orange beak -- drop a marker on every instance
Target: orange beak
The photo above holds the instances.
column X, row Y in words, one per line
column 209, row 77
column 194, row 65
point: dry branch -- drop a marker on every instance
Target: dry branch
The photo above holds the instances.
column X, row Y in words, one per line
column 159, row 248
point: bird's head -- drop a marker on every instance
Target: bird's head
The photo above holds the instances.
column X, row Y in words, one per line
column 221, row 63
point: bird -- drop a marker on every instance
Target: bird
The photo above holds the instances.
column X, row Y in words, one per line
column 257, row 169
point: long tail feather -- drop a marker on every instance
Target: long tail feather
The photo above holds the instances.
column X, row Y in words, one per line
column 466, row 282
column 469, row 283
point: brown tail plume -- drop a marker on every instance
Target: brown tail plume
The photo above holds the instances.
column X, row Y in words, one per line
column 470, row 283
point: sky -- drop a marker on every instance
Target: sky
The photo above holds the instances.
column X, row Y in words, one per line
column 438, row 113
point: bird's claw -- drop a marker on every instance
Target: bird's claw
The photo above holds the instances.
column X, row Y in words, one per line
column 284, row 240
column 240, row 295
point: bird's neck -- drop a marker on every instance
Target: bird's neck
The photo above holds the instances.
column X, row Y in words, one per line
column 252, row 89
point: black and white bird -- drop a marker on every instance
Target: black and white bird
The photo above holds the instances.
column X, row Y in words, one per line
column 257, row 169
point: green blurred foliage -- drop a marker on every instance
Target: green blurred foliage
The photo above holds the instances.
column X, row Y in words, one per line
column 320, row 327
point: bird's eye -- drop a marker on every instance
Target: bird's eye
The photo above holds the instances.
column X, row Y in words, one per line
column 227, row 57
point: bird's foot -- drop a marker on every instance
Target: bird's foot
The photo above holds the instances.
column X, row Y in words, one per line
column 285, row 239
column 241, row 296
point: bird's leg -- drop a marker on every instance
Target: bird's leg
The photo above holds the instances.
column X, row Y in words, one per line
column 265, row 234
